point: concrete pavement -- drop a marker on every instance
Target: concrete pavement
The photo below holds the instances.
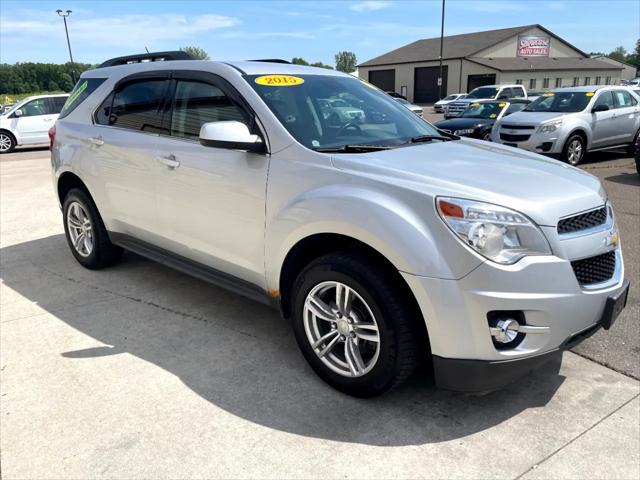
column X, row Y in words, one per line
column 142, row 372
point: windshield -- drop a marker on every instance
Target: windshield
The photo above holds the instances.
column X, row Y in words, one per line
column 483, row 92
column 306, row 107
column 403, row 101
column 450, row 97
column 568, row 102
column 483, row 110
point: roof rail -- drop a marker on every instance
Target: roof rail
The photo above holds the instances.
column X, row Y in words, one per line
column 147, row 57
column 270, row 60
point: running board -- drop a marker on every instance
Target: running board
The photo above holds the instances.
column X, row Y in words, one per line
column 612, row 147
column 195, row 269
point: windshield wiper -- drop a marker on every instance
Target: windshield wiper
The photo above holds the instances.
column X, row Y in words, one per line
column 428, row 138
column 352, row 148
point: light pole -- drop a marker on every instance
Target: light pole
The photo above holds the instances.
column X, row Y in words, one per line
column 441, row 41
column 66, row 30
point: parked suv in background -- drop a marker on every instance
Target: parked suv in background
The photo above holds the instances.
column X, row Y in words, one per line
column 386, row 242
column 28, row 121
column 487, row 92
column 568, row 122
column 440, row 105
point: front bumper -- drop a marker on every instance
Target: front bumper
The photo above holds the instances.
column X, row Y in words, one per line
column 543, row 143
column 543, row 288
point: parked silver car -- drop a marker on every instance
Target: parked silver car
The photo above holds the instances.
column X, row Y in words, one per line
column 486, row 92
column 568, row 122
column 440, row 105
column 417, row 109
column 386, row 242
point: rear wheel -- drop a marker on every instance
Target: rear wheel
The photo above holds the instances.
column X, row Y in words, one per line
column 574, row 150
column 86, row 234
column 353, row 325
column 7, row 142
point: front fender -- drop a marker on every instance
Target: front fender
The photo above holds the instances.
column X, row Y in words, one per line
column 405, row 235
column 574, row 126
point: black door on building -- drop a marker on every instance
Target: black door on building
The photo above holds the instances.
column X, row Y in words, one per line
column 425, row 84
column 475, row 81
column 383, row 79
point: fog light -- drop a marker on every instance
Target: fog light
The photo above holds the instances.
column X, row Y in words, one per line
column 506, row 330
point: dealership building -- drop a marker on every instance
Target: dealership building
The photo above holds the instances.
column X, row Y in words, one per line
column 530, row 55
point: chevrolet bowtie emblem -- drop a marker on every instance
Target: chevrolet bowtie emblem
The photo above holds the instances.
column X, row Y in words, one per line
column 613, row 240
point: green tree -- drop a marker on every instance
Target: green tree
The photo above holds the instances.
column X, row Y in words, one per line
column 346, row 61
column 619, row 53
column 196, row 53
column 299, row 61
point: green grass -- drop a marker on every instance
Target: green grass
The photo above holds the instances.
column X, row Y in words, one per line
column 13, row 98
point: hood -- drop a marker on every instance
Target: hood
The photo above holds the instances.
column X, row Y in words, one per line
column 540, row 187
column 460, row 122
column 532, row 118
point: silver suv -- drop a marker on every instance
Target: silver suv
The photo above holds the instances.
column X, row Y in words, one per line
column 568, row 122
column 386, row 242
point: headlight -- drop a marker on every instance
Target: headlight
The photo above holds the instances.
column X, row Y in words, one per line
column 466, row 131
column 550, row 127
column 497, row 233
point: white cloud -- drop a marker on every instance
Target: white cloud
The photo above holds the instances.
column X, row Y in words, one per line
column 123, row 30
column 369, row 6
column 252, row 35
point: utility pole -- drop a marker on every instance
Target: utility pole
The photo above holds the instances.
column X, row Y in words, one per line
column 441, row 42
column 66, row 30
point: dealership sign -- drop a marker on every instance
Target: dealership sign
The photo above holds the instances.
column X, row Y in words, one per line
column 533, row 46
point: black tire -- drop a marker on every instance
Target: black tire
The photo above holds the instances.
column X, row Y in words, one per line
column 486, row 135
column 571, row 141
column 634, row 149
column 400, row 338
column 7, row 139
column 638, row 164
column 103, row 253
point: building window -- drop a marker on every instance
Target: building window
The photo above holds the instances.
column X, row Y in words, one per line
column 519, row 81
column 597, row 80
column 576, row 81
column 532, row 84
column 587, row 81
column 545, row 83
column 607, row 81
column 558, row 82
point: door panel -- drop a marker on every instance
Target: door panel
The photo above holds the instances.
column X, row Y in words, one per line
column 36, row 120
column 603, row 123
column 124, row 146
column 211, row 201
column 625, row 119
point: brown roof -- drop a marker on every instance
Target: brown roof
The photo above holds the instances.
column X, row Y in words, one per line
column 454, row 46
column 543, row 63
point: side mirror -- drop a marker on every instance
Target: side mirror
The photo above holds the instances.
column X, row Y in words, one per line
column 600, row 108
column 18, row 113
column 230, row 134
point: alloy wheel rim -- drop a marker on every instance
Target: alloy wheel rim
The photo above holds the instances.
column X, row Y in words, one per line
column 80, row 229
column 341, row 329
column 5, row 143
column 575, row 151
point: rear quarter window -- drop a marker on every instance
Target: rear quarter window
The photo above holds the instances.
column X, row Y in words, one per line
column 84, row 88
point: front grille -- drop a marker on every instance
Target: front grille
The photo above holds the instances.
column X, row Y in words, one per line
column 518, row 127
column 457, row 108
column 583, row 221
column 592, row 270
column 514, row 138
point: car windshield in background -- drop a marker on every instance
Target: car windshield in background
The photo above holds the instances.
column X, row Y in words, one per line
column 483, row 92
column 323, row 111
column 450, row 97
column 483, row 110
column 567, row 102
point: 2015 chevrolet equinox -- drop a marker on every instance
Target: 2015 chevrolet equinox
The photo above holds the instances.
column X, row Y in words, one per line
column 385, row 241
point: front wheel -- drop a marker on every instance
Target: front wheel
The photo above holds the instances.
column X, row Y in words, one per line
column 7, row 142
column 574, row 150
column 353, row 325
column 486, row 136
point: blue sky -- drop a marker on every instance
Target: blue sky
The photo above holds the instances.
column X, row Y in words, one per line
column 31, row 30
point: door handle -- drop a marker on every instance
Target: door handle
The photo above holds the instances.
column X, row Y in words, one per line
column 97, row 141
column 170, row 161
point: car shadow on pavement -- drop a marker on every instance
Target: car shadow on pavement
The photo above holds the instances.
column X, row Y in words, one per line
column 240, row 355
column 625, row 179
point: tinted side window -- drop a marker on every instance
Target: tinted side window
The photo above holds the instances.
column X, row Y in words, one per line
column 623, row 99
column 515, row 107
column 519, row 92
column 58, row 103
column 605, row 98
column 84, row 88
column 136, row 106
column 506, row 92
column 39, row 106
column 197, row 103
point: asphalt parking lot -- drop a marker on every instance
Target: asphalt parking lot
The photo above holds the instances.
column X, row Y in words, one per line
column 139, row 371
